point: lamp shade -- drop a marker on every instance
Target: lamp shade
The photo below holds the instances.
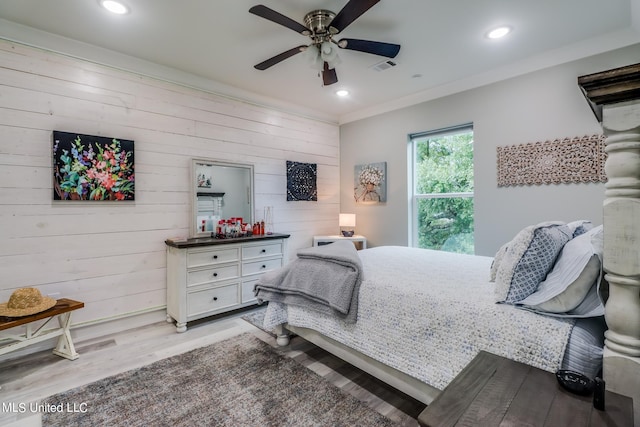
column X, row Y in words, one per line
column 347, row 220
column 329, row 54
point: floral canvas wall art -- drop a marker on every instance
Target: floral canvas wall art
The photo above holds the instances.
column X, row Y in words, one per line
column 87, row 167
column 370, row 183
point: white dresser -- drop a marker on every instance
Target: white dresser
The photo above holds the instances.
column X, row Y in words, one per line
column 208, row 276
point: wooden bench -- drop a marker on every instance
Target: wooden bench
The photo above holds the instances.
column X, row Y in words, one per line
column 62, row 310
column 495, row 391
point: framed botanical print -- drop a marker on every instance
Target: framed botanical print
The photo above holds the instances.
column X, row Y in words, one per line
column 370, row 183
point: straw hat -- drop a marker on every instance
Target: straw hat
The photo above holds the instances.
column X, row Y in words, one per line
column 24, row 302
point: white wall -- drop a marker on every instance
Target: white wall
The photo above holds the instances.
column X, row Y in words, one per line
column 540, row 106
column 112, row 255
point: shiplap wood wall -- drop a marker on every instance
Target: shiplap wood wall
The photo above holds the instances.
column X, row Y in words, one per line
column 111, row 255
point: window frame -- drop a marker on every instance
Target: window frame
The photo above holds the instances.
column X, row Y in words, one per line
column 413, row 196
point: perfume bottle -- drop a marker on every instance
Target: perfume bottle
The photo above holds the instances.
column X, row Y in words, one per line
column 268, row 219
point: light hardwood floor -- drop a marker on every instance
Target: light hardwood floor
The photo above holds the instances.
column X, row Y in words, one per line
column 34, row 377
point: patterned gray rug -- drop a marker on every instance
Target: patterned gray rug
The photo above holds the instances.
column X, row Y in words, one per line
column 256, row 318
column 238, row 382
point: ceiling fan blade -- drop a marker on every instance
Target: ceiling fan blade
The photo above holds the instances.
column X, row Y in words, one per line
column 389, row 50
column 350, row 12
column 329, row 76
column 279, row 58
column 270, row 14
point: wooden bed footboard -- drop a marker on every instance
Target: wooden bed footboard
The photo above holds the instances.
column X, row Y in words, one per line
column 399, row 380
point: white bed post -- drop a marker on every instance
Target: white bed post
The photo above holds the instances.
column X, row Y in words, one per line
column 615, row 98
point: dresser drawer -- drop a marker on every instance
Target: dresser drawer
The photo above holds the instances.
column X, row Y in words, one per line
column 256, row 267
column 202, row 257
column 214, row 274
column 212, row 299
column 247, row 290
column 208, row 277
column 264, row 250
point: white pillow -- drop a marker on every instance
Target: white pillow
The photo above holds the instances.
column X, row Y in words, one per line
column 574, row 292
column 528, row 259
column 575, row 272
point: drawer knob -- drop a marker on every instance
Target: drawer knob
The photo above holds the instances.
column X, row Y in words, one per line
column 263, row 251
column 264, row 266
column 215, row 257
column 215, row 274
column 215, row 298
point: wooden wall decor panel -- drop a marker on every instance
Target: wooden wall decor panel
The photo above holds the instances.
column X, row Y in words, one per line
column 567, row 160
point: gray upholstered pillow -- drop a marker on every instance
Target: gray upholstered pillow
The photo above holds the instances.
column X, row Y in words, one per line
column 579, row 227
column 575, row 272
column 528, row 259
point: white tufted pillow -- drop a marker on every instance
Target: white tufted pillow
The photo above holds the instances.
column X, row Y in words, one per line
column 497, row 260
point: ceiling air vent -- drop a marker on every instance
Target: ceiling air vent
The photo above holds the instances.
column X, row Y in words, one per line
column 384, row 65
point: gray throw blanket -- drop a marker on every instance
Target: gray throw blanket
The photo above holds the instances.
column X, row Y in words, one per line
column 324, row 278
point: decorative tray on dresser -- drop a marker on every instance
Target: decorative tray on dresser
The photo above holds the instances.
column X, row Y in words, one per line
column 208, row 276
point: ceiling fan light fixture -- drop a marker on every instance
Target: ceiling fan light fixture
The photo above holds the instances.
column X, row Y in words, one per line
column 313, row 57
column 499, row 32
column 114, row 7
column 320, row 26
column 329, row 54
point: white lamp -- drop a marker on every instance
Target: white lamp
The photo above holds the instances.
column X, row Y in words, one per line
column 347, row 220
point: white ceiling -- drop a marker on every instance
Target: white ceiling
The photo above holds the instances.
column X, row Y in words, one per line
column 214, row 45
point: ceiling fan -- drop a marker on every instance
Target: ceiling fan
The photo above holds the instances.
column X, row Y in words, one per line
column 321, row 26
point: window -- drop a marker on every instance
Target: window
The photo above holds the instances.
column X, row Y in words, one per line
column 442, row 189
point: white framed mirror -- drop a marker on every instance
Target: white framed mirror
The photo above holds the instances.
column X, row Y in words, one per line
column 220, row 191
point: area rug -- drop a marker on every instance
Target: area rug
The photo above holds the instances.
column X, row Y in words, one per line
column 256, row 318
column 238, row 382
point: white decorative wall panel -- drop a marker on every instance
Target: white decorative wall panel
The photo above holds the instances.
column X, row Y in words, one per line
column 113, row 257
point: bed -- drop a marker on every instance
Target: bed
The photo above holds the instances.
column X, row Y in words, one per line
column 476, row 303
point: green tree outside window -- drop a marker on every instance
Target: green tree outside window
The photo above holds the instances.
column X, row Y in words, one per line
column 443, row 191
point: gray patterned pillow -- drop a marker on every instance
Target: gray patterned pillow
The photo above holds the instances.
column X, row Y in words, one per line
column 579, row 227
column 528, row 259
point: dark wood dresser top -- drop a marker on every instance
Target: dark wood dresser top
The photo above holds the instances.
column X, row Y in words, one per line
column 210, row 241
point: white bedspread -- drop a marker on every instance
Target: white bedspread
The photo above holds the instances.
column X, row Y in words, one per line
column 428, row 313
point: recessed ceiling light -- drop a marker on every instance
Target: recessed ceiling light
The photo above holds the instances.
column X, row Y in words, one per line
column 342, row 92
column 498, row 32
column 114, row 7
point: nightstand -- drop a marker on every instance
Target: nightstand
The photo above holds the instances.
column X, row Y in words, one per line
column 359, row 241
column 492, row 390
